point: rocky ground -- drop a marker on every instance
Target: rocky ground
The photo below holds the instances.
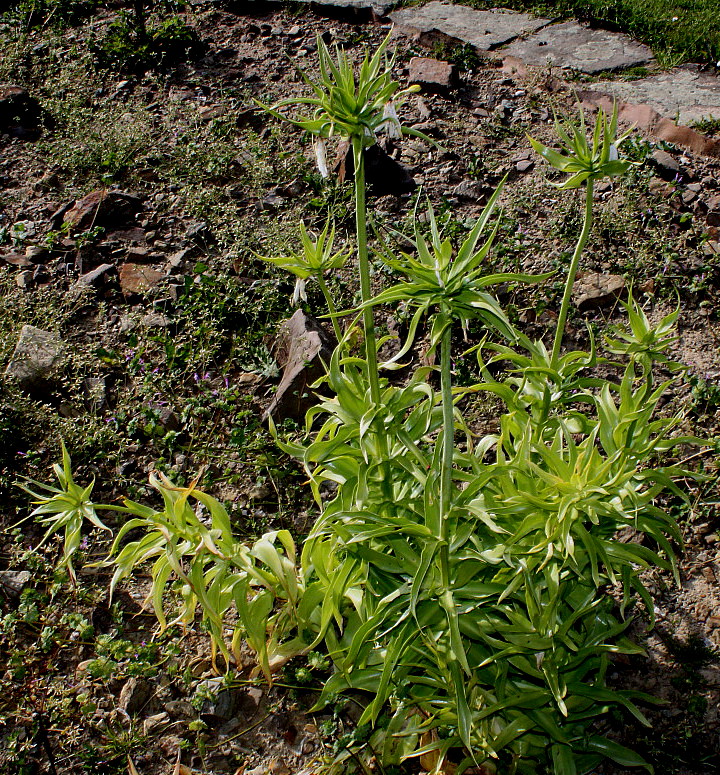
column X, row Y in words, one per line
column 138, row 324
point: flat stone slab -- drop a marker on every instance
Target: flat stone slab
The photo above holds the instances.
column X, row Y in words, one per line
column 574, row 47
column 35, row 360
column 684, row 95
column 378, row 7
column 485, row 30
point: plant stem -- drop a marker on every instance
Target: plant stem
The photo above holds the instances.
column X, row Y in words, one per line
column 332, row 309
column 565, row 306
column 448, row 445
column 364, row 267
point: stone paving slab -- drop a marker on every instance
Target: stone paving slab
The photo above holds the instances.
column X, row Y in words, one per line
column 570, row 45
column 684, row 95
column 485, row 30
column 378, row 7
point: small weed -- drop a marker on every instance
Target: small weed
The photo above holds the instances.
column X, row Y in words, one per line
column 709, row 126
column 464, row 56
column 705, row 395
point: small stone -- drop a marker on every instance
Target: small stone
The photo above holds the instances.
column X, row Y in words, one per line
column 155, row 723
column 470, row 190
column 278, row 767
column 168, row 419
column 97, row 278
column 137, row 253
column 210, row 112
column 36, row 253
column 524, row 166
column 688, row 197
column 177, row 260
column 594, row 290
column 222, row 702
column 180, row 709
column 136, row 278
column 196, row 229
column 135, row 695
column 36, row 357
column 667, row 166
column 431, row 74
column 259, row 493
column 713, row 215
column 13, row 582
column 16, row 259
column 25, row 280
column 171, row 745
column 155, row 320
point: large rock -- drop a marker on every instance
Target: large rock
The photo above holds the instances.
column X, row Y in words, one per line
column 571, row 46
column 383, row 175
column 20, row 113
column 303, row 345
column 432, row 75
column 685, row 94
column 485, row 30
column 108, row 209
column 646, row 118
column 35, row 360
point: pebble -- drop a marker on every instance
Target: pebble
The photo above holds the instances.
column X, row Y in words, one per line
column 25, row 280
column 155, row 723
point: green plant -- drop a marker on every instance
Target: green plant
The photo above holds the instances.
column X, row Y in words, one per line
column 131, row 44
column 316, row 260
column 64, row 508
column 586, row 162
column 457, row 583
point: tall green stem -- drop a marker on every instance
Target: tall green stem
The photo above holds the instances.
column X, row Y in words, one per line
column 364, row 266
column 565, row 306
column 332, row 309
column 448, row 445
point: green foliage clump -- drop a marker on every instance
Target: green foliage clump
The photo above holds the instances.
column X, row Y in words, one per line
column 458, row 583
column 132, row 45
column 57, row 13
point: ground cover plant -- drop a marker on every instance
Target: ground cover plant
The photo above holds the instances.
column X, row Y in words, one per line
column 458, row 583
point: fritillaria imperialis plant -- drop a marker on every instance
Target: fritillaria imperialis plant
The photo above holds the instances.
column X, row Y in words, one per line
column 458, row 583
